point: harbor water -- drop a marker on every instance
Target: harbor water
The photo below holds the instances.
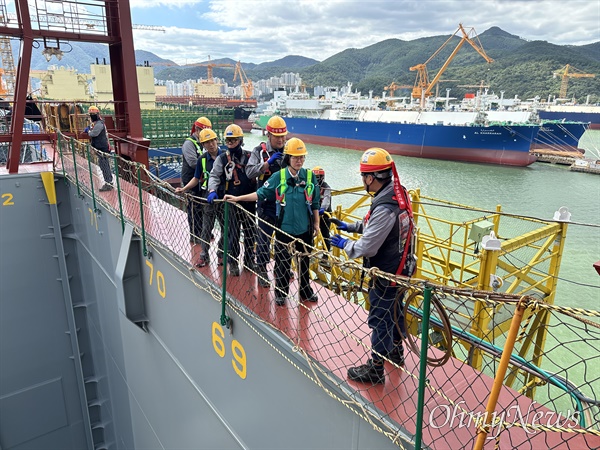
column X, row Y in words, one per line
column 534, row 191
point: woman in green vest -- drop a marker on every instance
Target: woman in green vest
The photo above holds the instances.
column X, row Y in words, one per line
column 293, row 190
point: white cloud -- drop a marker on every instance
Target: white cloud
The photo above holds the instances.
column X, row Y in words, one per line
column 258, row 30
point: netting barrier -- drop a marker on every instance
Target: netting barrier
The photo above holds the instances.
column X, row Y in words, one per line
column 489, row 359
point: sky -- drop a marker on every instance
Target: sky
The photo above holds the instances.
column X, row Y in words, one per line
column 256, row 31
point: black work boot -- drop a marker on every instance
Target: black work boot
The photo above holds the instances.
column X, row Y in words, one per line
column 367, row 373
column 263, row 277
column 234, row 269
column 397, row 355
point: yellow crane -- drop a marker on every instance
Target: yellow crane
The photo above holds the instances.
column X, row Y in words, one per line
column 423, row 86
column 393, row 86
column 245, row 82
column 569, row 72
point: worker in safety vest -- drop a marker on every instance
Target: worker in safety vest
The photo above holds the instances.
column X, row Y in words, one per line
column 209, row 142
column 297, row 205
column 228, row 176
column 96, row 130
column 386, row 243
column 265, row 160
column 191, row 150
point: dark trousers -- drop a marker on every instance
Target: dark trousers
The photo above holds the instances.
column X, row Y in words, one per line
column 211, row 213
column 263, row 241
column 324, row 227
column 104, row 163
column 194, row 214
column 385, row 332
column 283, row 260
column 242, row 218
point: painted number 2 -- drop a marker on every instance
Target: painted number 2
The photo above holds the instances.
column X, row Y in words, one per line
column 8, row 200
column 160, row 280
column 237, row 350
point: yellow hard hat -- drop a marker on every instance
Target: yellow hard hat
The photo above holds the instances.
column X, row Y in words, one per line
column 93, row 110
column 233, row 131
column 295, row 147
column 207, row 135
column 202, row 122
column 375, row 160
column 276, row 126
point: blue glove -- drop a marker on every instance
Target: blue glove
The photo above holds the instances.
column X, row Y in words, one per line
column 87, row 129
column 340, row 225
column 211, row 197
column 338, row 241
column 275, row 157
column 322, row 211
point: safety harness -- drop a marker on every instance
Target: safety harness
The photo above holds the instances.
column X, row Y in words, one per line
column 234, row 174
column 195, row 142
column 404, row 203
column 309, row 189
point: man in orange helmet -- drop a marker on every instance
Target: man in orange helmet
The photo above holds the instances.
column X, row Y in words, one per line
column 99, row 141
column 387, row 232
column 191, row 151
column 265, row 160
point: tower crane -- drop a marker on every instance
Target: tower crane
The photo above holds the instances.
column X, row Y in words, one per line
column 569, row 72
column 423, row 86
column 209, row 67
column 246, row 83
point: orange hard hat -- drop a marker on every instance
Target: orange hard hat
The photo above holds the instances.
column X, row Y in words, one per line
column 375, row 160
column 93, row 110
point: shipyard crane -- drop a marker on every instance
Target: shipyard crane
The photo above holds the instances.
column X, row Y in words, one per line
column 423, row 86
column 569, row 72
column 209, row 67
column 245, row 82
column 393, row 86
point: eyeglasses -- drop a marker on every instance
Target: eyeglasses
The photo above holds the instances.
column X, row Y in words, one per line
column 231, row 140
column 299, row 158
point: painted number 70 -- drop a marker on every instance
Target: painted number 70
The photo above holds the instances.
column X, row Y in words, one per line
column 160, row 280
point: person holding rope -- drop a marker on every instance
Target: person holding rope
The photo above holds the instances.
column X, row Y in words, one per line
column 386, row 243
column 297, row 202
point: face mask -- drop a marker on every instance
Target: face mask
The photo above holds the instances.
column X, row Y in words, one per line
column 94, row 117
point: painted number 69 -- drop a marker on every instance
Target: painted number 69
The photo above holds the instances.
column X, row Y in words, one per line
column 237, row 350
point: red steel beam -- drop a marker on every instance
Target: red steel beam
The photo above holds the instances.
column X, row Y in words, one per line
column 21, row 82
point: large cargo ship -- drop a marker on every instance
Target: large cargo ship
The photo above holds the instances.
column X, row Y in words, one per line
column 588, row 114
column 496, row 144
column 496, row 137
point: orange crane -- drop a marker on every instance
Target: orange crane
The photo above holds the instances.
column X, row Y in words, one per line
column 246, row 83
column 209, row 67
column 569, row 72
column 423, row 86
column 393, row 86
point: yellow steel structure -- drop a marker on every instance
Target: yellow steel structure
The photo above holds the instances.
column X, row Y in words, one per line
column 245, row 82
column 423, row 86
column 526, row 263
column 569, row 72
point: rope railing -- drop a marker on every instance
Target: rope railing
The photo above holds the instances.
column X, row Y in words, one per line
column 469, row 375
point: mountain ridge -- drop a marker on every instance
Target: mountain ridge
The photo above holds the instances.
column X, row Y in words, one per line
column 521, row 67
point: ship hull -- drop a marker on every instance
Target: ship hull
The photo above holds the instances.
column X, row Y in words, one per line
column 593, row 118
column 505, row 145
column 560, row 136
